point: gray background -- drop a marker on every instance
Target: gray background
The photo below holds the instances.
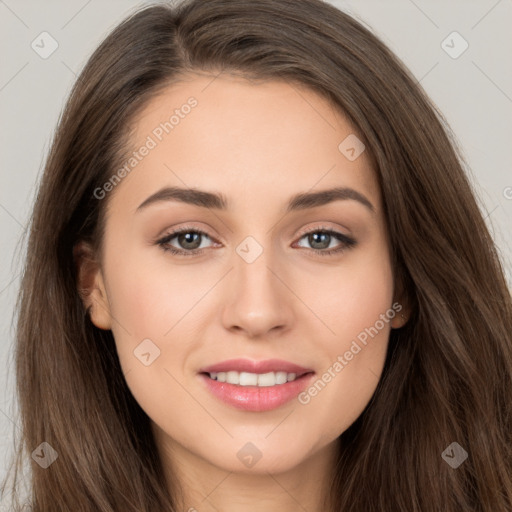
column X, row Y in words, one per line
column 474, row 92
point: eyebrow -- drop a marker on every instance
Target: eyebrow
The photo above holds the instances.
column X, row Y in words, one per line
column 218, row 201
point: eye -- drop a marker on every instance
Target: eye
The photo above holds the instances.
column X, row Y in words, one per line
column 321, row 239
column 189, row 241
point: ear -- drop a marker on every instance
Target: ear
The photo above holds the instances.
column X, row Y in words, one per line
column 91, row 286
column 402, row 305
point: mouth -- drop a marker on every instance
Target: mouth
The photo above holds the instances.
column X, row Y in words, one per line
column 256, row 386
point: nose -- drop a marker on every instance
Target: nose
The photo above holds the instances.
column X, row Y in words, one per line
column 259, row 302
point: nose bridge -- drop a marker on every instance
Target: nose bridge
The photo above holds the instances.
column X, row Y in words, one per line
column 258, row 299
column 252, row 270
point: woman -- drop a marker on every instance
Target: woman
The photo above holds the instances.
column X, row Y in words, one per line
column 267, row 284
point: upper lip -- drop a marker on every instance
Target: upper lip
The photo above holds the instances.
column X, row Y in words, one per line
column 247, row 365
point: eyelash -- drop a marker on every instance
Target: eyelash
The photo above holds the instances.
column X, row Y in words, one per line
column 346, row 242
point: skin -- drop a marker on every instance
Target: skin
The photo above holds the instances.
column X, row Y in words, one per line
column 258, row 144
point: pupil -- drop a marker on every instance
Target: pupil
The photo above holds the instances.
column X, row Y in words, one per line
column 186, row 239
column 314, row 240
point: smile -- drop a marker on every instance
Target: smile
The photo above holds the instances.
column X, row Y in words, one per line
column 256, row 386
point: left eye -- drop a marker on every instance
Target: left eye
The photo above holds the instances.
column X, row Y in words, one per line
column 321, row 239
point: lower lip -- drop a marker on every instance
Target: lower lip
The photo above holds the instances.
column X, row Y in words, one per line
column 256, row 398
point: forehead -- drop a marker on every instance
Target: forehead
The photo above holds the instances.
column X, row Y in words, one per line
column 262, row 139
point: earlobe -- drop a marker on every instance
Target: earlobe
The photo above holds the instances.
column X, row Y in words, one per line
column 403, row 305
column 399, row 320
column 402, row 310
column 91, row 286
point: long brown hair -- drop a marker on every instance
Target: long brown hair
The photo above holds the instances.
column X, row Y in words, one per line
column 448, row 372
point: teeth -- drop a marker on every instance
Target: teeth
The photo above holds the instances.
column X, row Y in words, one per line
column 280, row 377
column 232, row 378
column 248, row 379
column 268, row 379
column 253, row 379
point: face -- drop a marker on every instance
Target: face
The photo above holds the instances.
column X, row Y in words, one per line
column 251, row 325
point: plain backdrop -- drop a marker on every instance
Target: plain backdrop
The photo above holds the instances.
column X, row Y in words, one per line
column 473, row 90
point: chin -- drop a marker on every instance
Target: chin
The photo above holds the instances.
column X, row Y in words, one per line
column 260, row 456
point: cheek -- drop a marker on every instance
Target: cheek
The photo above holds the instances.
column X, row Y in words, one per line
column 149, row 300
column 350, row 297
column 357, row 307
column 152, row 306
column 368, row 294
column 339, row 394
